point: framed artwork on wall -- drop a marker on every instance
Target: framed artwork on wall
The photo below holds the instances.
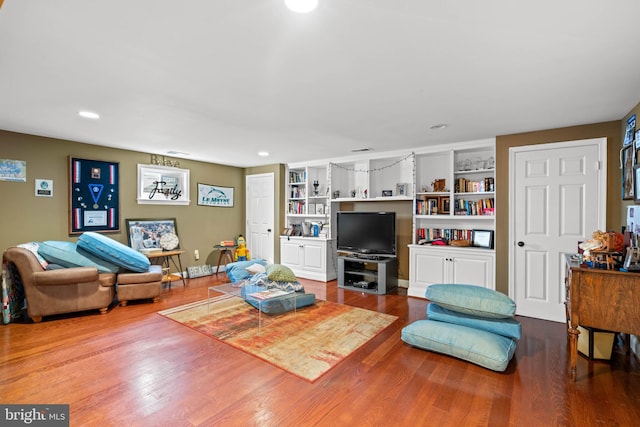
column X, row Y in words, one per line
column 627, row 157
column 94, row 196
column 214, row 195
column 163, row 185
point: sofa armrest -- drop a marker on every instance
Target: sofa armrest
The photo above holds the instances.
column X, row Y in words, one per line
column 65, row 276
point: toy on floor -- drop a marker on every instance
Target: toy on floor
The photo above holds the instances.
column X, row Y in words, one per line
column 242, row 253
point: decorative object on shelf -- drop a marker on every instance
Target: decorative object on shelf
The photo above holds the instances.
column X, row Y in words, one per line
column 491, row 162
column 163, row 185
column 439, row 185
column 169, row 241
column 94, row 196
column 213, row 195
column 336, row 194
column 159, row 160
column 316, row 184
column 353, row 193
column 242, row 252
column 148, row 233
column 401, row 189
column 387, row 193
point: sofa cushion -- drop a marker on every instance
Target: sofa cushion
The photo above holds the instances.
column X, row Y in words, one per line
column 280, row 273
column 67, row 254
column 508, row 327
column 237, row 271
column 472, row 299
column 277, row 305
column 483, row 348
column 113, row 251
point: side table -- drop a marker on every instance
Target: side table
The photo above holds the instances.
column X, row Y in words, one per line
column 226, row 255
column 165, row 258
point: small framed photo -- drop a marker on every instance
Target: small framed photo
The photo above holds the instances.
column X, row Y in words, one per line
column 401, row 189
column 319, row 209
column 482, row 239
column 444, row 205
column 387, row 193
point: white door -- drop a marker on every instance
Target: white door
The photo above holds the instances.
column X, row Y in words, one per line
column 260, row 206
column 558, row 198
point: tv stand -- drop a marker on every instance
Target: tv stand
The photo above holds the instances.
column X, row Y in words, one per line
column 374, row 276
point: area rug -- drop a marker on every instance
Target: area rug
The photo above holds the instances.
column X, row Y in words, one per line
column 306, row 343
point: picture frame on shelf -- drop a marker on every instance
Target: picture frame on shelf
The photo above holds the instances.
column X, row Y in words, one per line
column 319, row 209
column 387, row 193
column 482, row 239
column 146, row 233
column 402, row 189
column 444, row 205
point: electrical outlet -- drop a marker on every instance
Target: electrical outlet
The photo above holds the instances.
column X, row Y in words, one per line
column 196, row 254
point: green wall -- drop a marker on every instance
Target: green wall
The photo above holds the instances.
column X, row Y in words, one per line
column 28, row 218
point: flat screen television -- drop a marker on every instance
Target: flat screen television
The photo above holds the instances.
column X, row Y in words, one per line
column 367, row 233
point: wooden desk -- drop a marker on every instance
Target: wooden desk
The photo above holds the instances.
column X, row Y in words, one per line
column 603, row 299
column 226, row 254
column 165, row 258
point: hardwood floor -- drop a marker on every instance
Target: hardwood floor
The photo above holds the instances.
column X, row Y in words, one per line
column 134, row 367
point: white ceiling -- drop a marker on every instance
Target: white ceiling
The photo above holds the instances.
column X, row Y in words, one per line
column 223, row 79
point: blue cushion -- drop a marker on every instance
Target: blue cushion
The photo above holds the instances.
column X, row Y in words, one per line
column 237, row 271
column 67, row 254
column 480, row 347
column 471, row 299
column 113, row 251
column 277, row 305
column 508, row 327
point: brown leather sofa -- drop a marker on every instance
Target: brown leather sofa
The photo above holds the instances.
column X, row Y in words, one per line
column 133, row 286
column 60, row 291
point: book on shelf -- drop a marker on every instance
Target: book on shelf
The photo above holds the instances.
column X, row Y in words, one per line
column 269, row 293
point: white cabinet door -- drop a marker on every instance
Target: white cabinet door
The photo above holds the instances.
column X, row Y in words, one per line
column 430, row 264
column 472, row 270
column 314, row 255
column 291, row 253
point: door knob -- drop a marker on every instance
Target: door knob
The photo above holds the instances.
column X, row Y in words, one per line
column 521, row 244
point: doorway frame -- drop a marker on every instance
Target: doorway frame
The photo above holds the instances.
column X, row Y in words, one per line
column 601, row 196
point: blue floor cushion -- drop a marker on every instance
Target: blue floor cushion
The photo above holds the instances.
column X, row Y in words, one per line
column 68, row 255
column 508, row 327
column 483, row 348
column 277, row 305
column 237, row 271
column 113, row 251
column 471, row 299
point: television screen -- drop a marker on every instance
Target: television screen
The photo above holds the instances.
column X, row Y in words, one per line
column 371, row 233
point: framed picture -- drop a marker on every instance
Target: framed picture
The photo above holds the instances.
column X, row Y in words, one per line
column 94, row 196
column 387, row 193
column 636, row 183
column 146, row 233
column 444, row 205
column 401, row 189
column 214, row 195
column 482, row 238
column 163, row 185
column 627, row 156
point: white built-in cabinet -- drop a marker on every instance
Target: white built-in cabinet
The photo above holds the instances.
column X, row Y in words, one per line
column 429, row 265
column 309, row 257
column 466, row 202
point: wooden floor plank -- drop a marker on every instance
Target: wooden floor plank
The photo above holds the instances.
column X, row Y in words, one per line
column 135, row 367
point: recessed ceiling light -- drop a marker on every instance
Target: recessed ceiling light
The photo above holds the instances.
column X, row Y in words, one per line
column 89, row 114
column 301, row 6
column 439, row 126
column 263, row 153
